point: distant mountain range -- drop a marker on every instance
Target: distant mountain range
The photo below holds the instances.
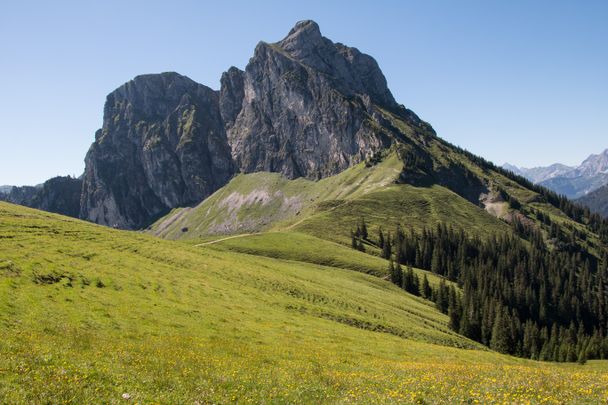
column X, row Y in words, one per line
column 573, row 182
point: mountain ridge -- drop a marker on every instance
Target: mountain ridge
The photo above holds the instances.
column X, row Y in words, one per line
column 571, row 181
column 303, row 107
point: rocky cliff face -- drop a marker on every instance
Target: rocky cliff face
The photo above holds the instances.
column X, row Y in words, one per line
column 60, row 195
column 307, row 106
column 303, row 107
column 162, row 145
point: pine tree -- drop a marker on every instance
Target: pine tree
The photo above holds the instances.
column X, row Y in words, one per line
column 387, row 249
column 380, row 238
column 582, row 356
column 363, row 229
column 454, row 309
column 436, row 262
column 441, row 300
column 500, row 333
column 425, row 290
column 391, row 272
column 398, row 274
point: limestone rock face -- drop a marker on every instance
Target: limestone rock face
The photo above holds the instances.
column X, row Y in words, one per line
column 303, row 107
column 162, row 145
column 307, row 106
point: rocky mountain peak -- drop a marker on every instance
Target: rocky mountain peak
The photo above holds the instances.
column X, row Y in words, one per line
column 594, row 164
column 304, row 107
column 153, row 95
column 162, row 145
column 305, row 33
column 350, row 71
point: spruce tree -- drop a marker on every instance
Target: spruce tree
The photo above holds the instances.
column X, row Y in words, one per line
column 500, row 332
column 364, row 234
column 380, row 238
column 425, row 290
column 387, row 248
column 398, row 274
column 391, row 272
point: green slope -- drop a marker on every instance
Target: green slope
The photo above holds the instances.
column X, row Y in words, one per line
column 259, row 201
column 329, row 208
column 455, row 189
column 299, row 247
column 89, row 314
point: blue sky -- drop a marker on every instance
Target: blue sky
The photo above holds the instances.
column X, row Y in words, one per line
column 518, row 81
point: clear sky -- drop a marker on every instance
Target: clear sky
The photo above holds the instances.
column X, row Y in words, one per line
column 518, row 81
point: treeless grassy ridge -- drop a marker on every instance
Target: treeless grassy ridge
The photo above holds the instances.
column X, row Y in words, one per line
column 93, row 315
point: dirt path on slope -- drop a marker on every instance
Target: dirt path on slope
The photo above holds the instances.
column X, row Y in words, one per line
column 242, row 235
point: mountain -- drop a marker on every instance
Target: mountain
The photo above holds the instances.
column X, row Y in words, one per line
column 495, row 234
column 572, row 182
column 5, row 189
column 22, row 195
column 162, row 145
column 303, row 107
column 540, row 174
column 326, row 246
column 59, row 195
column 308, row 106
column 597, row 201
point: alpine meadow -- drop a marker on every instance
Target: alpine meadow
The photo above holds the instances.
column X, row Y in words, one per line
column 298, row 236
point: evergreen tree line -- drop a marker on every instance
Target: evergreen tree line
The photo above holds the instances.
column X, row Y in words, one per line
column 517, row 297
column 443, row 296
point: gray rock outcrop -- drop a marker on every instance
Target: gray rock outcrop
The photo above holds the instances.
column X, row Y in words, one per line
column 303, row 107
column 162, row 145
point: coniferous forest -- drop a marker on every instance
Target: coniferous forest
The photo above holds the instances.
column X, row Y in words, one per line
column 516, row 295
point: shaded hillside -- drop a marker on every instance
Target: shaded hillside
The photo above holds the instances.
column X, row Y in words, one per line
column 60, row 195
column 597, row 201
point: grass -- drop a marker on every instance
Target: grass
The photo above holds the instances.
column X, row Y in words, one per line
column 305, row 248
column 91, row 314
column 403, row 204
column 259, row 201
column 267, row 201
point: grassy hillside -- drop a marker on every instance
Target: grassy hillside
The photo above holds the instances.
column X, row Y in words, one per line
column 259, row 201
column 91, row 314
column 452, row 187
column 305, row 248
column 403, row 204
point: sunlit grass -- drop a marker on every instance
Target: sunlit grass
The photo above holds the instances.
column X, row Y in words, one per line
column 89, row 314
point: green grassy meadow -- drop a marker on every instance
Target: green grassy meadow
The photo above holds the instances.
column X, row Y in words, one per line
column 94, row 315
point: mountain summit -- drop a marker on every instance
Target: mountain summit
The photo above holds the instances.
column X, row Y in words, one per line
column 303, row 107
